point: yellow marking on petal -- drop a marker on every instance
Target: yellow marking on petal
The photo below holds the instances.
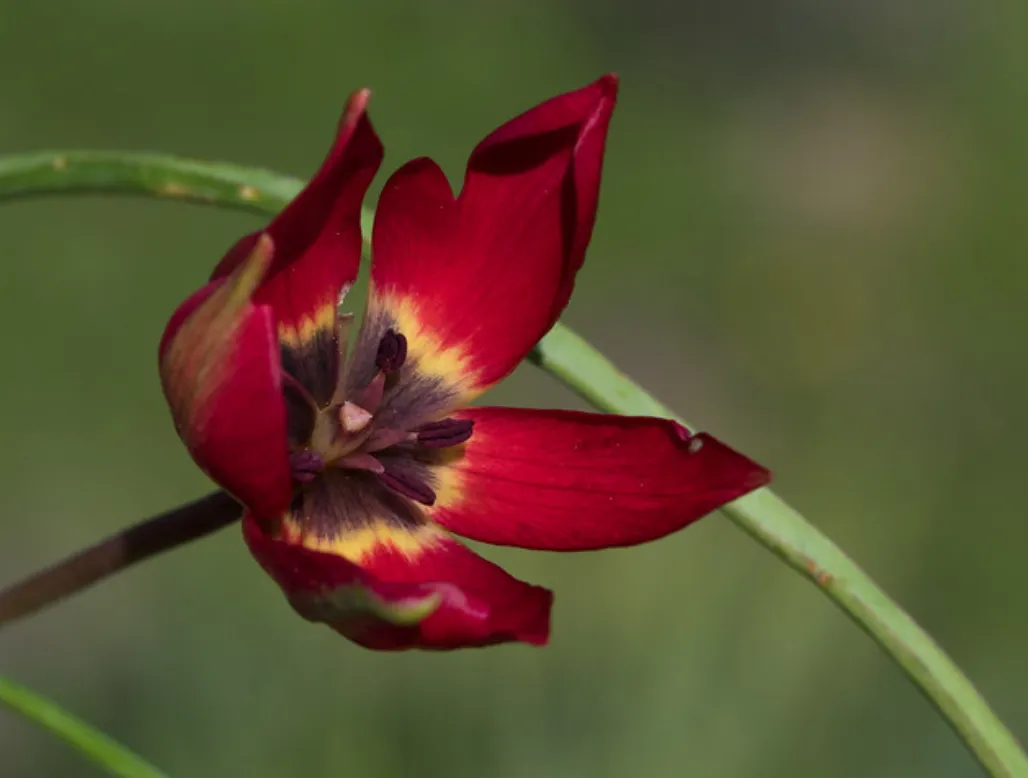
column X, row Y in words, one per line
column 452, row 364
column 448, row 481
column 361, row 544
column 295, row 335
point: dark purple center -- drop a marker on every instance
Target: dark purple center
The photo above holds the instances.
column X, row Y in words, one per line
column 378, row 424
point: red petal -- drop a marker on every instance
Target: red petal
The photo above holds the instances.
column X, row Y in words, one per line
column 219, row 365
column 568, row 481
column 481, row 278
column 318, row 235
column 443, row 596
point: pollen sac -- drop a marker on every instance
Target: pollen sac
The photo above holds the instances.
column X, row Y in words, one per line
column 409, row 485
column 392, row 352
column 448, row 432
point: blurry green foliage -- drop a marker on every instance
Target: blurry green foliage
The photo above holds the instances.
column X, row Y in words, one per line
column 811, row 241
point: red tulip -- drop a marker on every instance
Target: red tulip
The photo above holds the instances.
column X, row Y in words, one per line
column 353, row 476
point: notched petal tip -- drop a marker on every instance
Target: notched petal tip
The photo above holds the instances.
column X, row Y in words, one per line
column 736, row 473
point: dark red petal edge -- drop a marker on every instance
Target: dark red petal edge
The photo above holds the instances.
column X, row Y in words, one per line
column 570, row 481
column 589, row 110
column 318, row 235
column 487, row 275
column 445, row 598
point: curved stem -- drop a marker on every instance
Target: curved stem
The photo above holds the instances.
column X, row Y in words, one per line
column 771, row 522
column 762, row 515
column 134, row 544
column 157, row 175
column 113, row 756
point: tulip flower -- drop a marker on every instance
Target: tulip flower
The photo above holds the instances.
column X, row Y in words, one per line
column 357, row 474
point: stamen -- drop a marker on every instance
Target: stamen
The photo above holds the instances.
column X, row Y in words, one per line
column 306, row 465
column 370, row 396
column 448, row 432
column 384, row 438
column 361, row 461
column 291, row 384
column 409, row 486
column 392, row 352
column 354, row 418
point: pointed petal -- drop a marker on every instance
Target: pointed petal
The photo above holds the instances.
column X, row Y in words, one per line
column 511, row 172
column 569, row 481
column 318, row 240
column 389, row 589
column 473, row 283
column 220, row 372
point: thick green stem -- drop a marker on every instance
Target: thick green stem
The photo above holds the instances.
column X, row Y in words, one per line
column 762, row 515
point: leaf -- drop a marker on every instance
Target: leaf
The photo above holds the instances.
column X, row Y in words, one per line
column 92, row 743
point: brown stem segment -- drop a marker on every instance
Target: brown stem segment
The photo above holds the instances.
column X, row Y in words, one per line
column 141, row 541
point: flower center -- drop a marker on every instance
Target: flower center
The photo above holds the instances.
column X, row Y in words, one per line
column 346, row 434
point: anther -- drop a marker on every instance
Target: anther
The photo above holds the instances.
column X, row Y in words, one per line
column 392, row 352
column 448, row 432
column 409, row 486
column 306, row 465
column 353, row 418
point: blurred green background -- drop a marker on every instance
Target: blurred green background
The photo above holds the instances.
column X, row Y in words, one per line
column 811, row 242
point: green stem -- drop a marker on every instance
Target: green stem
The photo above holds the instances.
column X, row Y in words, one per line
column 95, row 745
column 156, row 175
column 771, row 522
column 762, row 515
